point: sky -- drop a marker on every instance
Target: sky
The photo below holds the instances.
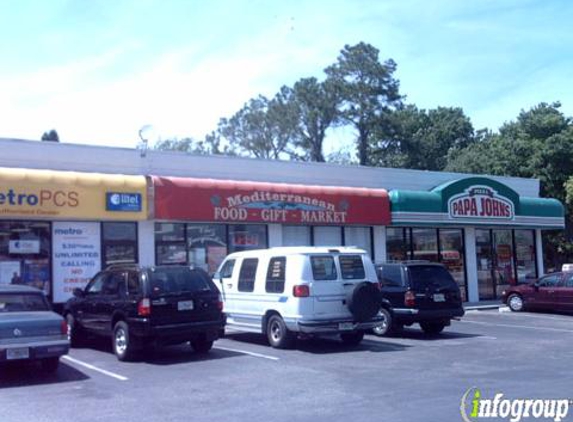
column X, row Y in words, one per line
column 98, row 71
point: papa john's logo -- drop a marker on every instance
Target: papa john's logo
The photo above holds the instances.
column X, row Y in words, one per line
column 479, row 202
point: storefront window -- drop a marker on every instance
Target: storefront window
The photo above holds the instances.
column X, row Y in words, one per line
column 25, row 250
column 119, row 243
column 207, row 245
column 525, row 255
column 360, row 237
column 396, row 244
column 296, row 235
column 243, row 237
column 327, row 236
column 170, row 246
column 452, row 256
column 425, row 244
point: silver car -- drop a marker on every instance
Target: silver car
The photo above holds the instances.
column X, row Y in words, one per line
column 29, row 330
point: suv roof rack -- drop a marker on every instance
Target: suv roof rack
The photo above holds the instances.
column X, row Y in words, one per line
column 122, row 265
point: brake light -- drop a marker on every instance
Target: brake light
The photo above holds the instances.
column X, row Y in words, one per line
column 301, row 291
column 144, row 307
column 409, row 298
column 220, row 303
column 64, row 327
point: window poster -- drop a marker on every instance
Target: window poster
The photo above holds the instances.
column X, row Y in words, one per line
column 76, row 256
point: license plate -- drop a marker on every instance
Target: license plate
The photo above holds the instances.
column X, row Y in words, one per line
column 185, row 305
column 345, row 326
column 17, row 353
column 439, row 297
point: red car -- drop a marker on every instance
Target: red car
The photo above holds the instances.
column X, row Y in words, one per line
column 552, row 292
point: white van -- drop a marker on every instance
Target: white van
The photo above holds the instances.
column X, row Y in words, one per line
column 289, row 291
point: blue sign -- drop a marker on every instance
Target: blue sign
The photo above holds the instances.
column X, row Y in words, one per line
column 121, row 201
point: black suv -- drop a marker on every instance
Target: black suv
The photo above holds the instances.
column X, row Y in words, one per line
column 141, row 306
column 417, row 292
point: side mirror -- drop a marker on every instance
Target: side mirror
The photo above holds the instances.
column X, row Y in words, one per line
column 536, row 285
column 77, row 292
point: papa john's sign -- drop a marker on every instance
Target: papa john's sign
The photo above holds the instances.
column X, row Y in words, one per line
column 481, row 202
column 256, row 202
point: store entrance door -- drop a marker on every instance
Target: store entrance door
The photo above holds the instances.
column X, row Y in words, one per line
column 486, row 282
column 494, row 249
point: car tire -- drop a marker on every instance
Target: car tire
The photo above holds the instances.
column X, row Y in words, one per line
column 352, row 339
column 386, row 327
column 515, row 303
column 50, row 365
column 432, row 328
column 364, row 301
column 278, row 334
column 74, row 330
column 201, row 345
column 121, row 342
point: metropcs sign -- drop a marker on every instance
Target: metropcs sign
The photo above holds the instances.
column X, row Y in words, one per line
column 479, row 202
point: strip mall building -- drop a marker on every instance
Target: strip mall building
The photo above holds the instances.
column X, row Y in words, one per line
column 68, row 210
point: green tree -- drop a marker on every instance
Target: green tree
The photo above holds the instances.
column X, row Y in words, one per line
column 368, row 91
column 314, row 105
column 51, row 136
column 420, row 139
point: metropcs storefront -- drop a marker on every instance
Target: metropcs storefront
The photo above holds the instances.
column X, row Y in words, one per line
column 57, row 229
column 482, row 230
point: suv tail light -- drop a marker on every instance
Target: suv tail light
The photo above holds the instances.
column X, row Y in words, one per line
column 64, row 327
column 409, row 298
column 144, row 307
column 220, row 303
column 301, row 291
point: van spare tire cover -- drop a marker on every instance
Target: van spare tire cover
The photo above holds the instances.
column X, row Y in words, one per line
column 364, row 301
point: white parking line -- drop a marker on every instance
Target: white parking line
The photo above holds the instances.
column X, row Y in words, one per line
column 245, row 352
column 95, row 368
column 560, row 330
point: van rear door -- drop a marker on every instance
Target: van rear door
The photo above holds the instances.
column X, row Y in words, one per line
column 334, row 278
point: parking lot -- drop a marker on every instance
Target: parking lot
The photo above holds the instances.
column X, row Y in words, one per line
column 408, row 377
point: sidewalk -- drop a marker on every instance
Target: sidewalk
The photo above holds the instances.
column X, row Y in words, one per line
column 484, row 304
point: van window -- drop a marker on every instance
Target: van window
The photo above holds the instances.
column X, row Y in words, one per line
column 247, row 275
column 276, row 275
column 227, row 270
column 351, row 267
column 323, row 268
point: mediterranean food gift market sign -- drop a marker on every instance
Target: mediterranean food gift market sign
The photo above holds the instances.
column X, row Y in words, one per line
column 26, row 193
column 250, row 202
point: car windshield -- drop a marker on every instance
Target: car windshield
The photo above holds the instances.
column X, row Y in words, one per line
column 177, row 280
column 424, row 276
column 22, row 302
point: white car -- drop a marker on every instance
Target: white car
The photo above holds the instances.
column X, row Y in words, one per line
column 289, row 291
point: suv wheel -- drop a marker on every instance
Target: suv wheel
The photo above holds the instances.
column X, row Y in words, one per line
column 278, row 334
column 515, row 303
column 201, row 345
column 432, row 328
column 121, row 343
column 352, row 339
column 385, row 327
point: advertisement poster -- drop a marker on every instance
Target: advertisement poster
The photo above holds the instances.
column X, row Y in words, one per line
column 10, row 272
column 76, row 256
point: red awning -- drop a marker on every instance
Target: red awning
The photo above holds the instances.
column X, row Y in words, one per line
column 190, row 199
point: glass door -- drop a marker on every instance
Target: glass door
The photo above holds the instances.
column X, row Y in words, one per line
column 504, row 272
column 484, row 251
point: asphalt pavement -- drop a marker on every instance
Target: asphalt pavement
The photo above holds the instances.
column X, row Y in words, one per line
column 410, row 377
